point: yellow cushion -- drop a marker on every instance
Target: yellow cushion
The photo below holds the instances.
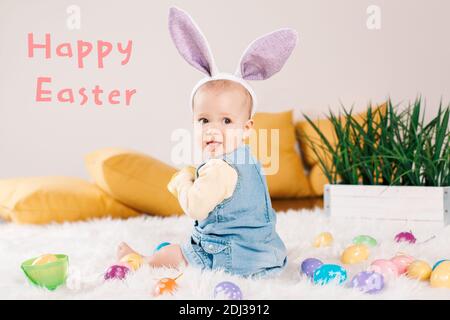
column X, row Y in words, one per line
column 290, row 181
column 43, row 200
column 135, row 179
column 317, row 179
column 306, row 133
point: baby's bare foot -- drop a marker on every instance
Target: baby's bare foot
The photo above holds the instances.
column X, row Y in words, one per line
column 123, row 249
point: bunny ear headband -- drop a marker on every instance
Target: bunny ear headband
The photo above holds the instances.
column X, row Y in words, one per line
column 262, row 59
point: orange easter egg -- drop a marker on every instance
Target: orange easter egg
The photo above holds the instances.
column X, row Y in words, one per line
column 165, row 285
column 46, row 258
column 355, row 254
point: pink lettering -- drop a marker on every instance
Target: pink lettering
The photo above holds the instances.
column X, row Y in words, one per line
column 32, row 46
column 40, row 92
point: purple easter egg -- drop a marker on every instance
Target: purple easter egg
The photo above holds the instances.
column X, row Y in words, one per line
column 368, row 282
column 227, row 290
column 116, row 272
column 405, row 237
column 310, row 265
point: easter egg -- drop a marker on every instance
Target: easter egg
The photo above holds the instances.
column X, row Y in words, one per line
column 438, row 263
column 325, row 239
column 419, row 270
column 161, row 245
column 385, row 267
column 405, row 237
column 133, row 260
column 165, row 285
column 116, row 272
column 402, row 262
column 368, row 282
column 227, row 290
column 310, row 265
column 365, row 240
column 440, row 277
column 355, row 254
column 44, row 259
column 329, row 272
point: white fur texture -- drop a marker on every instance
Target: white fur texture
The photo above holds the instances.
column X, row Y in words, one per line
column 91, row 249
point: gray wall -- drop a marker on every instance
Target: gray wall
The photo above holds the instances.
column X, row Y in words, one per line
column 339, row 60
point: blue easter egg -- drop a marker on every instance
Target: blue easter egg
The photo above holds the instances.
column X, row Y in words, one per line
column 329, row 272
column 161, row 245
column 310, row 265
column 438, row 263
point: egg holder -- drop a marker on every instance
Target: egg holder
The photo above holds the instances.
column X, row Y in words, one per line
column 49, row 275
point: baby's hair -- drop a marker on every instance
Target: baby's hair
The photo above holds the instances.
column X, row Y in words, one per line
column 224, row 84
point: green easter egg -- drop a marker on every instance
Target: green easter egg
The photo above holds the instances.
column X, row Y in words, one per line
column 366, row 240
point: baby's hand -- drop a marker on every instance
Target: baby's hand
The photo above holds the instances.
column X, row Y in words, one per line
column 187, row 174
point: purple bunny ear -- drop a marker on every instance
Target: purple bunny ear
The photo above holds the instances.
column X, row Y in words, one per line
column 266, row 55
column 190, row 42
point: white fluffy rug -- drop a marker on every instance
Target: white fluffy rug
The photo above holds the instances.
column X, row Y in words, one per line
column 91, row 250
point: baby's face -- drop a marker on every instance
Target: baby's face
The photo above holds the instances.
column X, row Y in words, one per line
column 221, row 118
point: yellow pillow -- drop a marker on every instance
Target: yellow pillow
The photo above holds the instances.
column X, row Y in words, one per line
column 290, row 180
column 43, row 200
column 135, row 179
column 306, row 133
column 317, row 179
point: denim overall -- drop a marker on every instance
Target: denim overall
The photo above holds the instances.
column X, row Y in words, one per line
column 239, row 235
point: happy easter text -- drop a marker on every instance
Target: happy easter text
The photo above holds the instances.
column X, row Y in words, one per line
column 78, row 53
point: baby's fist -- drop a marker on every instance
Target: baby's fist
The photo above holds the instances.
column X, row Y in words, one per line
column 187, row 174
column 189, row 170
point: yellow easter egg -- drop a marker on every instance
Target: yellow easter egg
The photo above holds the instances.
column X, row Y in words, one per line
column 325, row 239
column 440, row 277
column 355, row 254
column 45, row 258
column 133, row 260
column 419, row 270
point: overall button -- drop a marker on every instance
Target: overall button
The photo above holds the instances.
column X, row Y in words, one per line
column 213, row 247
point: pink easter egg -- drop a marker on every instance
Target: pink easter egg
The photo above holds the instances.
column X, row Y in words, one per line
column 405, row 237
column 402, row 262
column 116, row 272
column 386, row 267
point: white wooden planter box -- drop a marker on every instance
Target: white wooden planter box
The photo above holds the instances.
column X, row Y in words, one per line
column 384, row 202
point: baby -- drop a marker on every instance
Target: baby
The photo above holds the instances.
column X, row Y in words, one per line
column 227, row 193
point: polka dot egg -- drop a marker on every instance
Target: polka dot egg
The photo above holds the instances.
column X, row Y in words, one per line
column 227, row 290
